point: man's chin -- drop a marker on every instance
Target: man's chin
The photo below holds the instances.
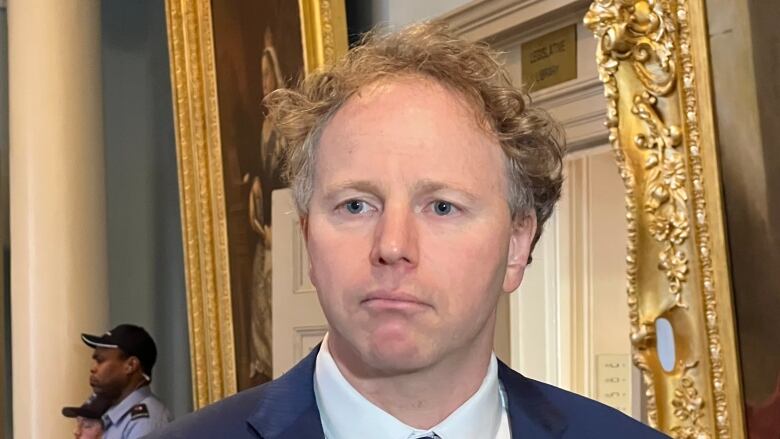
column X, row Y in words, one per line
column 384, row 350
column 398, row 357
column 103, row 392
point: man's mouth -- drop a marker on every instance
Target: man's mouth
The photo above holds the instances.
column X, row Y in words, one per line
column 393, row 301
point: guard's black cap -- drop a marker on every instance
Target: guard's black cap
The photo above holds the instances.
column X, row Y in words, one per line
column 93, row 408
column 132, row 340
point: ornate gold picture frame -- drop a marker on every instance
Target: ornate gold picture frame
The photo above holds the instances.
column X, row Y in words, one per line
column 200, row 129
column 653, row 59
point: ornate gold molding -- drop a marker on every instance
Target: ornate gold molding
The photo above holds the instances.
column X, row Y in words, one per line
column 201, row 187
column 202, row 198
column 653, row 59
column 322, row 25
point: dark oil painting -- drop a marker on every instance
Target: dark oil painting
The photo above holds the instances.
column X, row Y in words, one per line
column 257, row 49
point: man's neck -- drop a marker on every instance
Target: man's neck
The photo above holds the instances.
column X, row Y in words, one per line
column 131, row 387
column 422, row 398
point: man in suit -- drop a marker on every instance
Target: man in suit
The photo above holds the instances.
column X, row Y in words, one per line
column 422, row 181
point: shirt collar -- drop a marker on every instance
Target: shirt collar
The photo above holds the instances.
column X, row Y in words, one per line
column 347, row 414
column 115, row 413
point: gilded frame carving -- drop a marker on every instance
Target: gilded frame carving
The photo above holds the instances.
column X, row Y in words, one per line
column 202, row 197
column 653, row 59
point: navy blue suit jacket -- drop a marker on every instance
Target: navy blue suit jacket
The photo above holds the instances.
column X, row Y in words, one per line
column 286, row 409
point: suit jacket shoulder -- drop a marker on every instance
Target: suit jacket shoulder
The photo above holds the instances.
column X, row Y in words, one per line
column 226, row 418
column 537, row 409
column 283, row 408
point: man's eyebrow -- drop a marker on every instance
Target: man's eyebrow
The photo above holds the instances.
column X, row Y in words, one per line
column 422, row 186
column 428, row 186
column 356, row 185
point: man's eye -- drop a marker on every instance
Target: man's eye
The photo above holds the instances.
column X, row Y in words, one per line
column 442, row 208
column 355, row 206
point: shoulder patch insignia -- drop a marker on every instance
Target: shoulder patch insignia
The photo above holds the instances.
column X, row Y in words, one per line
column 139, row 411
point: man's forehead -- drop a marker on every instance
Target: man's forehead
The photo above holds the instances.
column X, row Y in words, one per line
column 411, row 130
column 386, row 111
column 407, row 87
column 410, row 108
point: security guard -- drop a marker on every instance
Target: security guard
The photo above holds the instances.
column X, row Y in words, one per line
column 122, row 371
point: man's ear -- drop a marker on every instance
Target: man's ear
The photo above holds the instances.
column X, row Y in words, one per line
column 520, row 243
column 132, row 364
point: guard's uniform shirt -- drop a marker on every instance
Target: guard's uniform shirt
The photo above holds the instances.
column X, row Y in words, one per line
column 139, row 414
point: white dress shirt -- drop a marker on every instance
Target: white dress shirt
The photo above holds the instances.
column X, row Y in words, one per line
column 346, row 414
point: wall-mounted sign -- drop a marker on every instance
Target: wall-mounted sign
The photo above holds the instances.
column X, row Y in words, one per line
column 613, row 381
column 550, row 59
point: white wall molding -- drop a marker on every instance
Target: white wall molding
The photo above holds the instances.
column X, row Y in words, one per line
column 569, row 92
column 495, row 19
column 579, row 107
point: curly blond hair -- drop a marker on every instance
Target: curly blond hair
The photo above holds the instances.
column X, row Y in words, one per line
column 531, row 140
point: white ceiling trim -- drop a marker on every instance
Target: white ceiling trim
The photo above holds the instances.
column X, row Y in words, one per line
column 493, row 19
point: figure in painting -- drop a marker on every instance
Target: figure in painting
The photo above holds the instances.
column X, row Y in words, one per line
column 762, row 418
column 259, row 217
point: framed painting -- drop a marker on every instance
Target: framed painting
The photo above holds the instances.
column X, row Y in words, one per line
column 225, row 57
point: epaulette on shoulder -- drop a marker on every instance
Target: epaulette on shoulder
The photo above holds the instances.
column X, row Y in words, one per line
column 139, row 411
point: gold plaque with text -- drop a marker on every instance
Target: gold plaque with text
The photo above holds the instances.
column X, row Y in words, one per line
column 550, row 59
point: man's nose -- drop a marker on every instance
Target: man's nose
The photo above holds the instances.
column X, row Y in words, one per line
column 395, row 237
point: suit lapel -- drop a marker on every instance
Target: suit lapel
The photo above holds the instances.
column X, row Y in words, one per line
column 287, row 407
column 531, row 414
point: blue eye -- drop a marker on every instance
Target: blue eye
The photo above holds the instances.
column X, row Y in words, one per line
column 355, row 206
column 442, row 208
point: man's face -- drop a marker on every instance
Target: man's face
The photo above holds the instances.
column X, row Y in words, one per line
column 409, row 233
column 109, row 373
column 88, row 429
